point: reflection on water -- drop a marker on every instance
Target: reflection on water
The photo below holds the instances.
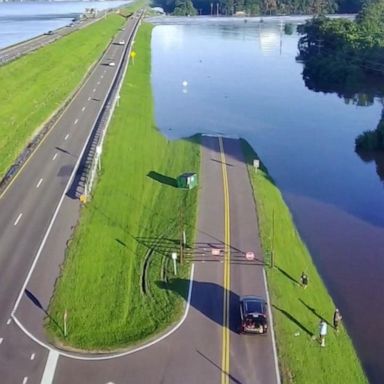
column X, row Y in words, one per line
column 243, row 80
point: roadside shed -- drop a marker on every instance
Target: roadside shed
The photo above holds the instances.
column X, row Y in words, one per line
column 187, row 180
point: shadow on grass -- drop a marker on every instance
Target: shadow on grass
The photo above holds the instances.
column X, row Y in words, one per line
column 37, row 303
column 294, row 320
column 162, row 179
column 207, row 298
column 230, row 377
column 286, row 274
column 313, row 310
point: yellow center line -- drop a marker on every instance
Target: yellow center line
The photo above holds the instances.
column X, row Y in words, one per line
column 227, row 270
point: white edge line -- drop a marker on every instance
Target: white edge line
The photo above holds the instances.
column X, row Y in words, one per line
column 278, row 379
column 50, row 367
column 50, row 225
column 84, row 358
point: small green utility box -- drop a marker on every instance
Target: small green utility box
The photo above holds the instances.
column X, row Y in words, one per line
column 187, row 180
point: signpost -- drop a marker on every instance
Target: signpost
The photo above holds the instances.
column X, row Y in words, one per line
column 65, row 323
column 174, row 258
column 133, row 55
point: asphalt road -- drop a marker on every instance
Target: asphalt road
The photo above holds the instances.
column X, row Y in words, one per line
column 201, row 350
column 26, row 210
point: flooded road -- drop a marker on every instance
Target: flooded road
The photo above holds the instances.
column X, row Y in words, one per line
column 241, row 78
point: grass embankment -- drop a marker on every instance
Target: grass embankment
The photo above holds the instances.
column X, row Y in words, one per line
column 297, row 311
column 130, row 8
column 135, row 207
column 34, row 86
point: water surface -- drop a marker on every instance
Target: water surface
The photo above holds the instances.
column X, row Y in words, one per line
column 241, row 78
column 20, row 21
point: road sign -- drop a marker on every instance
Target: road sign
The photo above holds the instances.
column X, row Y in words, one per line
column 250, row 256
column 216, row 251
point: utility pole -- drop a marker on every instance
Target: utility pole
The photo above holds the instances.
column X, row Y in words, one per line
column 211, row 9
column 217, row 9
column 273, row 239
column 319, row 45
column 181, row 235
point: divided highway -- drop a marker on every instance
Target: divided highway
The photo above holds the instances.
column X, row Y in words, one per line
column 29, row 203
column 206, row 347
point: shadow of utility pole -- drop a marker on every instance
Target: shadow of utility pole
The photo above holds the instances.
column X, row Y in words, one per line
column 231, row 378
column 295, row 321
column 37, row 303
column 313, row 310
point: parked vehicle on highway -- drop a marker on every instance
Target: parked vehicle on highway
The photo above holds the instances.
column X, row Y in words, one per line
column 253, row 314
column 49, row 33
column 121, row 42
column 112, row 64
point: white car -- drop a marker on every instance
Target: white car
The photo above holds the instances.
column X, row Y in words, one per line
column 112, row 64
column 121, row 42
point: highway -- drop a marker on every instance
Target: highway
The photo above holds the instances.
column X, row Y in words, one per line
column 37, row 214
column 28, row 205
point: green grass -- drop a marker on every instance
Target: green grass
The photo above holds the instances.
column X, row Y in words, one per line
column 34, row 86
column 296, row 310
column 130, row 213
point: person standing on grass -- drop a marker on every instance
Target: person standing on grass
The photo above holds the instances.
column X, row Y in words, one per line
column 337, row 319
column 304, row 280
column 323, row 332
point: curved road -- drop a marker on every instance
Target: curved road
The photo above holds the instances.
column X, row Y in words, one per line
column 206, row 348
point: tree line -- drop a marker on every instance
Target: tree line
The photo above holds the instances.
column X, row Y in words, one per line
column 347, row 57
column 258, row 7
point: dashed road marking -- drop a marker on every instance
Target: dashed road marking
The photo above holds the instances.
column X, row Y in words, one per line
column 89, row 98
column 1, row 340
column 25, row 380
column 66, row 137
column 76, row 121
column 102, row 77
column 17, row 220
column 83, row 109
column 33, row 356
column 9, row 321
column 98, row 83
column 39, row 183
column 94, row 90
column 54, row 157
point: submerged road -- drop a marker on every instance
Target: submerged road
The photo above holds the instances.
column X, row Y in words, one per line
column 206, row 347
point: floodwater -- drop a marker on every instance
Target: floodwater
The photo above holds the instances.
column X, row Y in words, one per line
column 241, row 78
column 21, row 21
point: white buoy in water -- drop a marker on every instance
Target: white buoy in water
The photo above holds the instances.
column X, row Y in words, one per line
column 185, row 83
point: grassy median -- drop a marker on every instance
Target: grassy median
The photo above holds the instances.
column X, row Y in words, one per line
column 297, row 311
column 34, row 86
column 112, row 281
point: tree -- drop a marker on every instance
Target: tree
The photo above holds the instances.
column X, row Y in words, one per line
column 184, row 8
